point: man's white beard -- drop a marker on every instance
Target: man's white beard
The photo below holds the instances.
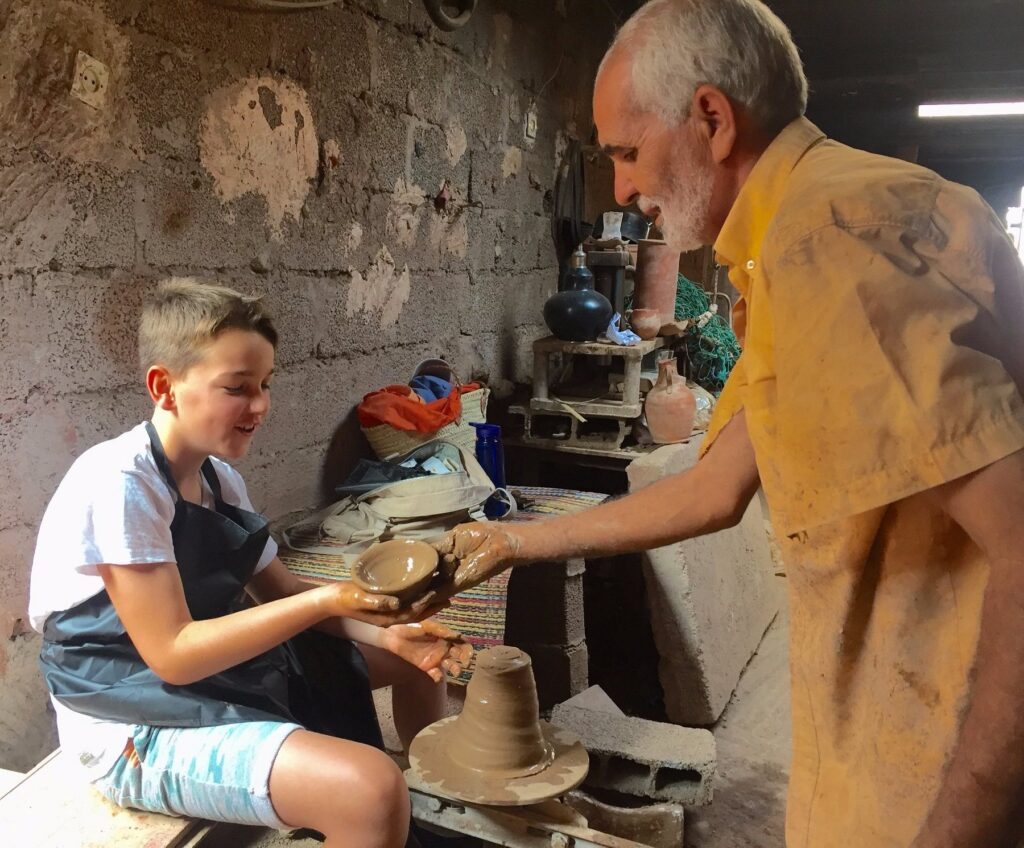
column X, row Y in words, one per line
column 687, row 200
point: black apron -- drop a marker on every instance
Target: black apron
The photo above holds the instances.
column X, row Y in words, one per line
column 315, row 680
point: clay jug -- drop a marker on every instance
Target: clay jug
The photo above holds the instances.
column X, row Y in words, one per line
column 670, row 406
column 578, row 313
column 657, row 277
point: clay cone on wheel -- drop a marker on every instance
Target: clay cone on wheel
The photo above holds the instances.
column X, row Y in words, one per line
column 497, row 751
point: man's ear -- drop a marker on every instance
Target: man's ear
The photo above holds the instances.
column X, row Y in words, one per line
column 160, row 385
column 715, row 117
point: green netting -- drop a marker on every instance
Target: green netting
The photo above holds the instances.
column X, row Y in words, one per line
column 711, row 350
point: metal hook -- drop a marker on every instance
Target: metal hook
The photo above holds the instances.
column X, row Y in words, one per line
column 446, row 21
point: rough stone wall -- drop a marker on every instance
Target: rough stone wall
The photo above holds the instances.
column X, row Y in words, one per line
column 365, row 172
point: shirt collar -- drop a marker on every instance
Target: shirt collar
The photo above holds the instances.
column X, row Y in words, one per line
column 739, row 242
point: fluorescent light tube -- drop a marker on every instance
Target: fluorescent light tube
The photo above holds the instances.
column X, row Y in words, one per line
column 969, row 110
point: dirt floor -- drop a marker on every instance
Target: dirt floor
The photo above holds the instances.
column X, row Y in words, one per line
column 753, row 739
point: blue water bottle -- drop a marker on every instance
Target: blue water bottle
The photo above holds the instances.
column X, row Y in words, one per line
column 491, row 457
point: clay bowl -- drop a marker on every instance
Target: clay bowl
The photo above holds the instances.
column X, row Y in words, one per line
column 400, row 567
column 645, row 322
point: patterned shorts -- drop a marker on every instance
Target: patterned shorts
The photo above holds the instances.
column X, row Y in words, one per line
column 218, row 773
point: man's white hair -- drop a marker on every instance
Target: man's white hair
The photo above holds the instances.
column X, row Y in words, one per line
column 738, row 46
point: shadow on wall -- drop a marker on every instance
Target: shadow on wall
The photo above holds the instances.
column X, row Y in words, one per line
column 348, row 445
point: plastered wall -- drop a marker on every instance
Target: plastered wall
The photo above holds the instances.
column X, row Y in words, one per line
column 365, row 172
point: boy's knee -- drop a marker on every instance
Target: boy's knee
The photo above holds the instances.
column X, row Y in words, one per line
column 383, row 793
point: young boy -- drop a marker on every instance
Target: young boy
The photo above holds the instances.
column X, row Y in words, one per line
column 176, row 696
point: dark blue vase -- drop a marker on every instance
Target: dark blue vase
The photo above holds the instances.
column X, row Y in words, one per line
column 578, row 313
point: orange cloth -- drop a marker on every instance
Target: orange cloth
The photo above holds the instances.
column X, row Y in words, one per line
column 881, row 318
column 403, row 409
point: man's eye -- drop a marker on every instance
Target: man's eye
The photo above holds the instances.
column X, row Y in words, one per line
column 233, row 390
column 266, row 387
column 629, row 156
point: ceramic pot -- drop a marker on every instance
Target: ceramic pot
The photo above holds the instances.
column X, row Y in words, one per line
column 657, row 277
column 399, row 567
column 670, row 406
column 645, row 322
column 578, row 313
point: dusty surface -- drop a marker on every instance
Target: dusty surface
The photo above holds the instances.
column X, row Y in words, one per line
column 753, row 739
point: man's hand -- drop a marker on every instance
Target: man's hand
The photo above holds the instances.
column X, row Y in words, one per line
column 430, row 646
column 473, row 553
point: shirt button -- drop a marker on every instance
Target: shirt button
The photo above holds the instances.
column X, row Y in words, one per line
column 751, row 264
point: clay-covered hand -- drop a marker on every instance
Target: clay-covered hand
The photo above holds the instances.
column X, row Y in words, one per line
column 347, row 599
column 430, row 646
column 473, row 553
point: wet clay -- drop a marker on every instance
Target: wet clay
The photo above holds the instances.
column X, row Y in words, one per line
column 498, row 732
column 400, row 567
column 497, row 751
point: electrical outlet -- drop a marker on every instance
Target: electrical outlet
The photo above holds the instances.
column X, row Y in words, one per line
column 530, row 130
column 90, row 82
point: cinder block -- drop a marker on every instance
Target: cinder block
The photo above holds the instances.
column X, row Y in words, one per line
column 560, row 671
column 544, row 606
column 648, row 759
column 711, row 600
column 594, row 698
column 657, row 825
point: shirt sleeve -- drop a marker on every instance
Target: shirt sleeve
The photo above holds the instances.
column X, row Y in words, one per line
column 892, row 373
column 125, row 520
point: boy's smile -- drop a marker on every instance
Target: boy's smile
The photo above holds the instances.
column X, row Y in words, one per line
column 216, row 405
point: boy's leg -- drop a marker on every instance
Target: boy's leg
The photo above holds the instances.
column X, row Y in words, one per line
column 416, row 700
column 352, row 793
column 265, row 773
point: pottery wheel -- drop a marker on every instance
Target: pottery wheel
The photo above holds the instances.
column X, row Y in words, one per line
column 438, row 774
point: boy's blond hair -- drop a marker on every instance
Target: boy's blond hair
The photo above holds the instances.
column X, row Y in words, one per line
column 185, row 315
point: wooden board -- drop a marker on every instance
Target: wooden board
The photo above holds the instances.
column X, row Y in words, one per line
column 52, row 805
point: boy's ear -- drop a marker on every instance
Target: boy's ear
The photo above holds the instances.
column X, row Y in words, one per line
column 159, row 383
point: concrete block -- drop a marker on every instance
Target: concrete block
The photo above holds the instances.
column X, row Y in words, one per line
column 522, row 300
column 376, row 148
column 35, row 213
column 595, row 698
column 476, row 103
column 711, row 600
column 560, row 671
column 90, row 323
column 178, row 218
column 648, row 759
column 409, row 75
column 656, row 825
column 433, row 163
column 542, row 610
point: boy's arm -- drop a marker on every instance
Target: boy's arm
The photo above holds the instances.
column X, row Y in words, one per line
column 151, row 603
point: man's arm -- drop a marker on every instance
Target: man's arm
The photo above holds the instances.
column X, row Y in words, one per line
column 710, row 496
column 981, row 800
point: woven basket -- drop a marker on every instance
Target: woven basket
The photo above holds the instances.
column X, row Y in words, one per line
column 388, row 441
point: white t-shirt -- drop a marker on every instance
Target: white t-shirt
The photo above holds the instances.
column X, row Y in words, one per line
column 113, row 507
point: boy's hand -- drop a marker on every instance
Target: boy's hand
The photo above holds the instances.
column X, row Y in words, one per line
column 430, row 646
column 347, row 599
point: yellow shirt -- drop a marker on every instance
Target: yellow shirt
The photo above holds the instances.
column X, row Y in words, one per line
column 881, row 319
